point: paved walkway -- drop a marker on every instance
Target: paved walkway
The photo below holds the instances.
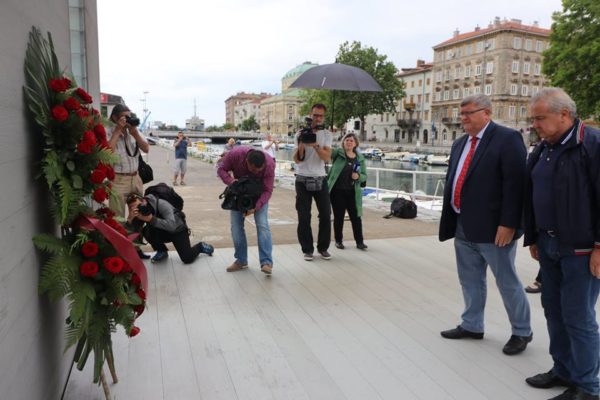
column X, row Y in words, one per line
column 210, row 223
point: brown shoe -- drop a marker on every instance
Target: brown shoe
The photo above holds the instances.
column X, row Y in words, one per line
column 236, row 266
column 267, row 269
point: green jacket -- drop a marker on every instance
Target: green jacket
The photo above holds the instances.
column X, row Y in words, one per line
column 338, row 161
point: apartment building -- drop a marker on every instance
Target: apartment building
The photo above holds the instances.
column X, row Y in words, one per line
column 237, row 100
column 502, row 61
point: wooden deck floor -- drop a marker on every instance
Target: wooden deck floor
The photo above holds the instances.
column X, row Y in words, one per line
column 363, row 325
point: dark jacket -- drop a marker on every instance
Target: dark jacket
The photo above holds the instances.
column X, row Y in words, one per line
column 576, row 188
column 166, row 217
column 492, row 193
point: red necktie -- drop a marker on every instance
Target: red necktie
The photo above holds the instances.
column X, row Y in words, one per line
column 463, row 172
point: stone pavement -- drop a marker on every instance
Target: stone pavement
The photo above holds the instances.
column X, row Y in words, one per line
column 210, row 223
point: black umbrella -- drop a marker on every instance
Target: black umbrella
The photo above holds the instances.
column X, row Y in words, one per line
column 337, row 76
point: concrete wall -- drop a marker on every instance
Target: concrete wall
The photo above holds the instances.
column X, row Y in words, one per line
column 32, row 362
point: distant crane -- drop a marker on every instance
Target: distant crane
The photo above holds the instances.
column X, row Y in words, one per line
column 143, row 124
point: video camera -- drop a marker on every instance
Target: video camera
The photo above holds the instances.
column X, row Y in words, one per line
column 307, row 134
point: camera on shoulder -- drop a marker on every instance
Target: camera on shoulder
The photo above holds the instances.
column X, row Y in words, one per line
column 308, row 133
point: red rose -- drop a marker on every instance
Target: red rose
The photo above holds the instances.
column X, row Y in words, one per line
column 98, row 176
column 112, row 223
column 114, row 265
column 110, row 173
column 88, row 269
column 89, row 138
column 104, row 145
column 89, row 249
column 60, row 113
column 100, row 195
column 126, row 267
column 140, row 292
column 100, row 131
column 82, row 113
column 134, row 331
column 59, row 85
column 83, row 95
column 71, row 104
column 139, row 309
column 135, row 279
column 84, row 148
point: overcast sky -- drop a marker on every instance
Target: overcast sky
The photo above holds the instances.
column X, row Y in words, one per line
column 181, row 50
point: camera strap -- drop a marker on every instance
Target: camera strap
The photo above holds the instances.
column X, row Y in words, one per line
column 136, row 152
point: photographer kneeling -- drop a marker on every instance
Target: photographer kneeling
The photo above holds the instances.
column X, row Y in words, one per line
column 161, row 223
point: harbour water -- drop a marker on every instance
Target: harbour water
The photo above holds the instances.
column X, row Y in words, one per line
column 425, row 183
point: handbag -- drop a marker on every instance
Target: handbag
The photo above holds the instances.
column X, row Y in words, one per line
column 144, row 170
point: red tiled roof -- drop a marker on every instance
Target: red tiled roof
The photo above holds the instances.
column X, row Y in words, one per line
column 408, row 71
column 514, row 26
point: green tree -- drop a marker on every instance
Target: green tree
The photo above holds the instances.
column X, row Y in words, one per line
column 571, row 62
column 228, row 127
column 249, row 124
column 360, row 104
column 314, row 96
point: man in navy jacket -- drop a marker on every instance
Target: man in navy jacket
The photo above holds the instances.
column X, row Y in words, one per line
column 562, row 230
column 483, row 199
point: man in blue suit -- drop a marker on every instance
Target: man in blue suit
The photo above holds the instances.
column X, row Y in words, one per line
column 483, row 200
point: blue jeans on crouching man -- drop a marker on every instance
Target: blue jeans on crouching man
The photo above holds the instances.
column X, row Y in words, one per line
column 569, row 295
column 263, row 232
column 472, row 260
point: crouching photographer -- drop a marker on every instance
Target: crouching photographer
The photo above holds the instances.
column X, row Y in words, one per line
column 162, row 223
column 246, row 164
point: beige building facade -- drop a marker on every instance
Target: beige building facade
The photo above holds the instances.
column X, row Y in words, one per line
column 502, row 61
column 237, row 100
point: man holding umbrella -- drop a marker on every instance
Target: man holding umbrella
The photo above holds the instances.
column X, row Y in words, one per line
column 313, row 149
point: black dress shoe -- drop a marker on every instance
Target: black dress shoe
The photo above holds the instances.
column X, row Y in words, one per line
column 362, row 246
column 339, row 245
column 460, row 333
column 546, row 380
column 516, row 344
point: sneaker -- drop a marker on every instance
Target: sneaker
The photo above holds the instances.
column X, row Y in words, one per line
column 236, row 266
column 340, row 245
column 182, row 183
column 308, row 256
column 159, row 256
column 325, row 255
column 266, row 268
column 142, row 255
column 206, row 248
column 174, row 183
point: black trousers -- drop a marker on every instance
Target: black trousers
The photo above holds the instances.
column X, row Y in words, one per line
column 181, row 240
column 342, row 201
column 304, row 200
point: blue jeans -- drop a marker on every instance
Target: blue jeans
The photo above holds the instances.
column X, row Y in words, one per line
column 569, row 295
column 238, row 233
column 472, row 260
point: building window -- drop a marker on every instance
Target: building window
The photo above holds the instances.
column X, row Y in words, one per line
column 523, row 111
column 455, row 113
column 438, row 96
column 490, row 44
column 526, row 67
column 445, row 135
column 478, row 70
column 426, row 97
column 428, row 81
column 537, row 69
column 514, row 89
column 477, row 90
column 290, row 117
column 426, row 115
column 446, row 95
column 511, row 111
column 412, row 84
column 489, row 67
column 528, row 44
column 456, row 94
column 479, row 47
column 468, row 49
column 524, row 90
column 438, row 76
column 515, row 67
column 466, row 92
column 77, row 36
column 534, row 90
column 516, row 43
column 467, row 71
column 457, row 71
column 488, row 89
column 539, row 46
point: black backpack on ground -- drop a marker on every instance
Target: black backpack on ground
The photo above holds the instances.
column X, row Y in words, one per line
column 162, row 191
column 402, row 208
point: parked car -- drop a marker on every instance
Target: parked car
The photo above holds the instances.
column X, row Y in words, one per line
column 373, row 153
column 151, row 141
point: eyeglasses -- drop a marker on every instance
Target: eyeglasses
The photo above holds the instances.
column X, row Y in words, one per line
column 318, row 115
column 468, row 113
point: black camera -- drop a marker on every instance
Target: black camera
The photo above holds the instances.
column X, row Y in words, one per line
column 307, row 134
column 132, row 120
column 144, row 209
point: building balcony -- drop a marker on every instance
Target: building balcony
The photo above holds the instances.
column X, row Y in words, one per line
column 409, row 123
column 451, row 121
